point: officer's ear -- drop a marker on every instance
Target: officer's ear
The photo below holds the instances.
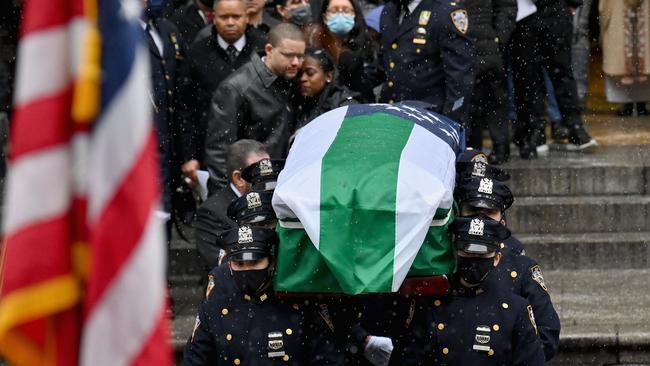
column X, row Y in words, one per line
column 242, row 185
column 497, row 258
column 268, row 48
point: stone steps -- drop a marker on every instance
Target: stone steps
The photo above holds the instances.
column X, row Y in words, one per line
column 618, row 250
column 579, row 214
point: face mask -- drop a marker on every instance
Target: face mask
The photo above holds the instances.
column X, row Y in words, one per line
column 252, row 281
column 340, row 24
column 301, row 15
column 474, row 270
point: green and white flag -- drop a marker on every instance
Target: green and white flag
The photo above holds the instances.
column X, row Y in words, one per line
column 364, row 200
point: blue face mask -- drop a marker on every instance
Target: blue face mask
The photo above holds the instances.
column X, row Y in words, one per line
column 340, row 24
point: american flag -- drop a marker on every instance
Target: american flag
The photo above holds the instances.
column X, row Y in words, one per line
column 83, row 260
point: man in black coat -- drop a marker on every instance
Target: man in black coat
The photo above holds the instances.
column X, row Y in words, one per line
column 493, row 22
column 192, row 17
column 480, row 322
column 166, row 52
column 426, row 55
column 212, row 216
column 254, row 102
column 227, row 45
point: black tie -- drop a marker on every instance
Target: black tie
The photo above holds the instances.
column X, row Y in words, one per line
column 232, row 53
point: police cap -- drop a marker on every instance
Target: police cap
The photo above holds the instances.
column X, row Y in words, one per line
column 478, row 234
column 471, row 155
column 248, row 243
column 251, row 208
column 263, row 175
column 480, row 169
column 484, row 193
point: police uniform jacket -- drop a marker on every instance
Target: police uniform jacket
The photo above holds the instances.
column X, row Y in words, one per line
column 233, row 329
column 252, row 103
column 427, row 57
column 491, row 25
column 163, row 73
column 206, row 65
column 211, row 221
column 524, row 277
column 487, row 325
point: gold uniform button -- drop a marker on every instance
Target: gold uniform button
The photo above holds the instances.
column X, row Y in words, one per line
column 393, row 46
column 390, row 84
column 417, row 50
column 437, row 303
column 391, row 101
column 441, row 326
column 224, row 311
column 504, row 305
column 169, row 92
column 491, row 352
column 229, row 337
column 391, row 65
column 495, row 327
column 296, row 307
column 285, row 358
column 167, row 77
column 513, row 274
column 236, row 361
column 289, row 331
column 502, row 245
column 247, row 298
column 445, row 351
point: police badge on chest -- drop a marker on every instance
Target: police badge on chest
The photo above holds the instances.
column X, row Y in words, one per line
column 275, row 345
column 482, row 339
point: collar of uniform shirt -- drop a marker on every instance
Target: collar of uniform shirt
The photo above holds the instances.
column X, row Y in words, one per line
column 411, row 6
column 235, row 190
column 153, row 32
column 239, row 44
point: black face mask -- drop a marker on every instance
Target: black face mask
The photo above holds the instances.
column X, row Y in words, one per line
column 251, row 282
column 301, row 15
column 474, row 270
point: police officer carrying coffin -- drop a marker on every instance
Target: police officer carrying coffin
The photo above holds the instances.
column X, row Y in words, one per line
column 242, row 322
column 491, row 197
column 481, row 322
column 425, row 55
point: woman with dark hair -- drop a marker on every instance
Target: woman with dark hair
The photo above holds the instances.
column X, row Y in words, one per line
column 319, row 91
column 341, row 31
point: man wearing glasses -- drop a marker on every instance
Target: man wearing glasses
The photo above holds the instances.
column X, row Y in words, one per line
column 254, row 101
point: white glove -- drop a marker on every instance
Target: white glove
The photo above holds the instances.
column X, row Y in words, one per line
column 378, row 350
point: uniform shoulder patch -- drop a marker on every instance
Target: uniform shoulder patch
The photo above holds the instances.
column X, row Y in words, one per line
column 210, row 286
column 460, row 20
column 536, row 273
column 531, row 317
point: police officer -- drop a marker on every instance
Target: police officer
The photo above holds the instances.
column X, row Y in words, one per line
column 254, row 209
column 242, row 322
column 425, row 55
column 166, row 51
column 480, row 322
column 522, row 274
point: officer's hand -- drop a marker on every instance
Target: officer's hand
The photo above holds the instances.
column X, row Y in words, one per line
column 378, row 350
column 189, row 168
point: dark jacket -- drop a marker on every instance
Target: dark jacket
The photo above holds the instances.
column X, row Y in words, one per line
column 232, row 329
column 207, row 65
column 163, row 73
column 188, row 21
column 211, row 221
column 485, row 325
column 252, row 103
column 426, row 58
column 332, row 97
column 524, row 277
column 491, row 25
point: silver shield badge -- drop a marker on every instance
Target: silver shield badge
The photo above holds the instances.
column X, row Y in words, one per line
column 485, row 186
column 266, row 167
column 479, row 169
column 253, row 200
column 476, row 227
column 245, row 235
column 275, row 345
